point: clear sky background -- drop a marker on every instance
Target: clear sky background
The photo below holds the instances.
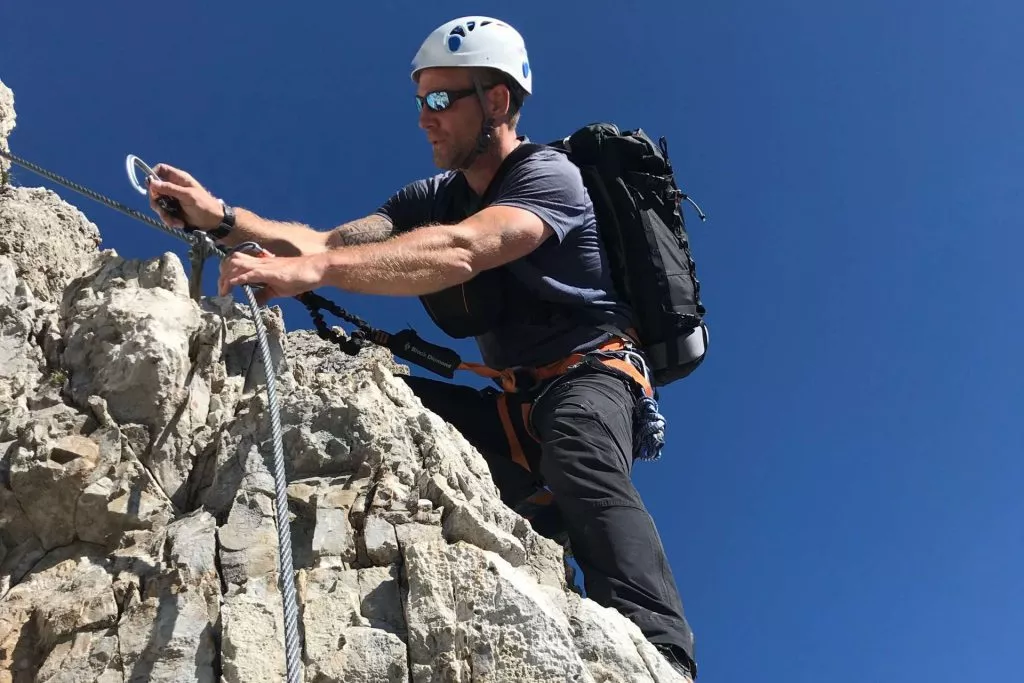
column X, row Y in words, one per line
column 842, row 495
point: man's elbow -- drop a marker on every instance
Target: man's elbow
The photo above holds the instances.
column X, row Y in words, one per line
column 465, row 261
column 498, row 235
column 463, row 249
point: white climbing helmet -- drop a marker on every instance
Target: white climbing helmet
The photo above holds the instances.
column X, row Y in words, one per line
column 476, row 41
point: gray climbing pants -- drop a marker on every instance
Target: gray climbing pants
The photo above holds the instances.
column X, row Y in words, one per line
column 578, row 441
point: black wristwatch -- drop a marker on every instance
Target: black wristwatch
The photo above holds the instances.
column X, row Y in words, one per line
column 227, row 224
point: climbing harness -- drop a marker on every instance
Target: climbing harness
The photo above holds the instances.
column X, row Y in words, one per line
column 197, row 238
column 617, row 357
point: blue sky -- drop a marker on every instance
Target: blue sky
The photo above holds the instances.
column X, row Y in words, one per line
column 841, row 495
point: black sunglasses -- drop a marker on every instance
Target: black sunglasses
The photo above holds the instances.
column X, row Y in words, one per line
column 439, row 100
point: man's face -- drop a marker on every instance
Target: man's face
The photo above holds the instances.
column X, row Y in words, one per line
column 452, row 133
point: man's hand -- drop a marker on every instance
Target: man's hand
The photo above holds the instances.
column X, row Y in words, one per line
column 281, row 275
column 202, row 210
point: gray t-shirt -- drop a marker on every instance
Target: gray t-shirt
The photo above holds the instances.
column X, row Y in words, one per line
column 570, row 268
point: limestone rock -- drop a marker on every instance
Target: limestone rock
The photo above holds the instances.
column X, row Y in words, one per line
column 252, row 645
column 352, row 632
column 9, row 283
column 85, row 657
column 309, row 356
column 21, row 547
column 26, row 380
column 168, row 637
column 381, row 541
column 248, row 540
column 128, row 499
column 68, row 591
column 48, row 481
column 471, row 614
column 159, row 376
column 8, row 119
column 49, row 240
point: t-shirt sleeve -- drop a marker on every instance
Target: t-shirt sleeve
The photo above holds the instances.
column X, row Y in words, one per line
column 550, row 186
column 411, row 206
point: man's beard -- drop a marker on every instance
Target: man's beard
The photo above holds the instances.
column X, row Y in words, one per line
column 449, row 157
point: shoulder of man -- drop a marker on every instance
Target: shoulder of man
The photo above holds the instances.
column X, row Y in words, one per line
column 546, row 155
column 549, row 184
column 542, row 163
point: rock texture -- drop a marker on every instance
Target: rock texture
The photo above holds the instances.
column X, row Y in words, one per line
column 137, row 528
column 7, row 122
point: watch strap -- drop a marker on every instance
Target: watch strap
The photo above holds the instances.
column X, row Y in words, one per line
column 227, row 224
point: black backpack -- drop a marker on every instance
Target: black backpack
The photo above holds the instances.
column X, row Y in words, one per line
column 638, row 210
column 638, row 207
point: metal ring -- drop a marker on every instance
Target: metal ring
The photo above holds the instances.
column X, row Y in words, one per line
column 249, row 248
column 133, row 163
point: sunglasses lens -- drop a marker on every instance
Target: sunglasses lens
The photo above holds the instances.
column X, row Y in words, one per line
column 438, row 101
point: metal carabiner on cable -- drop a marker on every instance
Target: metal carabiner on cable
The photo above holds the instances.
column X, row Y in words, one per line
column 253, row 249
column 133, row 164
column 169, row 204
column 202, row 246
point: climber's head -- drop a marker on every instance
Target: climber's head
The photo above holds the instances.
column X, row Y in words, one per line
column 472, row 75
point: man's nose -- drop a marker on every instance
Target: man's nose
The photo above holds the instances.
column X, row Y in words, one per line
column 427, row 118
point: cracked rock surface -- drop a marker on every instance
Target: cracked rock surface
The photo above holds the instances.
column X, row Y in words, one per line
column 137, row 521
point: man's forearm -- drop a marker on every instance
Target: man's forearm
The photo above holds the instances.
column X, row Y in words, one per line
column 296, row 239
column 368, row 230
column 280, row 238
column 418, row 262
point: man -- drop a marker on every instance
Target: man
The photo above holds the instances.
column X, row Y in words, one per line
column 513, row 236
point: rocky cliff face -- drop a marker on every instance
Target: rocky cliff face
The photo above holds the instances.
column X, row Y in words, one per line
column 137, row 534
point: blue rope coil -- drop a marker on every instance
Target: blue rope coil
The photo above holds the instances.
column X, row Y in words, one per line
column 649, row 431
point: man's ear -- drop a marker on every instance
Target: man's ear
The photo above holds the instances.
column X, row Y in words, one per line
column 499, row 101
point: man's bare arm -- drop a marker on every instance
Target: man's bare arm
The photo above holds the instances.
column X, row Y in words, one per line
column 281, row 238
column 296, row 239
column 372, row 228
column 433, row 257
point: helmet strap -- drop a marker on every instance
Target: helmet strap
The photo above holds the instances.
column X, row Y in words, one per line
column 486, row 135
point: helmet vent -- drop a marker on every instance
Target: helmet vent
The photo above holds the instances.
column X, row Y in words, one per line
column 455, row 37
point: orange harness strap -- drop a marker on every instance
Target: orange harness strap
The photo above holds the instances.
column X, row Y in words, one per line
column 515, row 446
column 509, row 380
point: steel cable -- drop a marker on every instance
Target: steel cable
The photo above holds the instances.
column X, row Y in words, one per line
column 286, row 568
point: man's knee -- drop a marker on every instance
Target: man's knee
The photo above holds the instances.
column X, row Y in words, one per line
column 585, row 487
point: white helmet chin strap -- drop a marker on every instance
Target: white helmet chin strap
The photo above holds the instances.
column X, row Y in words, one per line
column 486, row 135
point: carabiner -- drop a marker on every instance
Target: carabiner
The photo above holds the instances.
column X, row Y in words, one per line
column 169, row 204
column 132, row 164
